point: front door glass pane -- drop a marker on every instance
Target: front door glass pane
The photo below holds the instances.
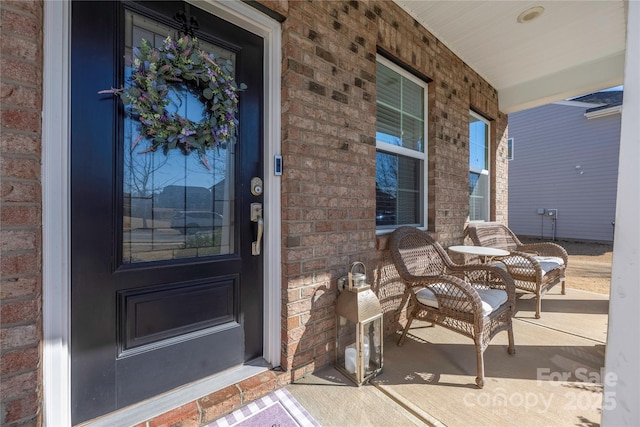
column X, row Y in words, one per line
column 174, row 206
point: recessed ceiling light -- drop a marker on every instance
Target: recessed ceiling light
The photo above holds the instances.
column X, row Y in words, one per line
column 530, row 14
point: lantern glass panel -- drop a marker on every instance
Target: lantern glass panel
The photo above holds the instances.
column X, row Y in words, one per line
column 359, row 348
column 346, row 340
column 372, row 332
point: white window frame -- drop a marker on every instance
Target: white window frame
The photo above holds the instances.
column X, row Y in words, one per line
column 510, row 147
column 407, row 152
column 483, row 171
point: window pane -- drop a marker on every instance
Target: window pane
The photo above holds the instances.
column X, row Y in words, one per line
column 174, row 206
column 479, row 169
column 478, row 197
column 412, row 98
column 413, row 133
column 478, row 147
column 397, row 189
column 400, row 110
column 388, row 86
column 408, row 190
column 388, row 129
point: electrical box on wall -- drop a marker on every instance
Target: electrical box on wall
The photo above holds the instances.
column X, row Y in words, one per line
column 552, row 212
column 540, row 211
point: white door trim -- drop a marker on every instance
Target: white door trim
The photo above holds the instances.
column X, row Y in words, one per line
column 56, row 201
column 56, row 295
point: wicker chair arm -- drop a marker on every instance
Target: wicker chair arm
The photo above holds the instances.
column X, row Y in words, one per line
column 521, row 263
column 487, row 276
column 452, row 293
column 545, row 249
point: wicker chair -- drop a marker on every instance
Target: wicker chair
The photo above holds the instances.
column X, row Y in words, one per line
column 535, row 267
column 477, row 301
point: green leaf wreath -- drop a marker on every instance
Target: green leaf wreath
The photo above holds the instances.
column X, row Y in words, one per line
column 180, row 63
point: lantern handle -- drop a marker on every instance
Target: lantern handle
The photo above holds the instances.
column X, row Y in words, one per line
column 350, row 283
column 355, row 264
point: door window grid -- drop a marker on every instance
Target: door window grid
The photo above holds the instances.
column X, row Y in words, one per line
column 173, row 206
column 401, row 157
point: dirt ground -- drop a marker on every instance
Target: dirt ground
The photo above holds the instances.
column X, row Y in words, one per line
column 589, row 266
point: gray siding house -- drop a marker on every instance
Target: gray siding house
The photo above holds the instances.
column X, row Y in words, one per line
column 564, row 167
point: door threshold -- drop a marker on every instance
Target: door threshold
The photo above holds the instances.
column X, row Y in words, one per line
column 150, row 408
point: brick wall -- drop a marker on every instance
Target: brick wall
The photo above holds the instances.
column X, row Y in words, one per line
column 328, row 124
column 20, row 213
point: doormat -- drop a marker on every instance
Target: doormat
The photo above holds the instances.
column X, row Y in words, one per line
column 278, row 409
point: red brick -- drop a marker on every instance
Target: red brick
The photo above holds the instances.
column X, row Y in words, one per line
column 19, row 311
column 11, row 46
column 257, row 386
column 18, row 143
column 32, row 7
column 20, row 71
column 17, row 385
column 20, row 24
column 20, row 168
column 184, row 416
column 215, row 405
column 19, row 240
column 18, row 336
column 23, row 120
column 293, row 322
column 35, row 421
column 296, row 334
column 23, row 407
column 298, row 307
column 20, row 96
column 18, row 287
column 21, row 263
column 19, row 191
column 20, row 216
column 20, row 360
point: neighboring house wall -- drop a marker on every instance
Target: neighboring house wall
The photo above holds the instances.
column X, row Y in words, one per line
column 328, row 185
column 563, row 161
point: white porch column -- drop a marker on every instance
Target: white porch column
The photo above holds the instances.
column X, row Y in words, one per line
column 621, row 403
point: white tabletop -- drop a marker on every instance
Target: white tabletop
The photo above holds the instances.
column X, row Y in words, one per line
column 479, row 250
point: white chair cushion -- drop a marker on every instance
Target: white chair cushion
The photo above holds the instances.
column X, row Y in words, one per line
column 547, row 263
column 491, row 298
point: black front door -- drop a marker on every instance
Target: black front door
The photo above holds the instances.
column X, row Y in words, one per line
column 166, row 289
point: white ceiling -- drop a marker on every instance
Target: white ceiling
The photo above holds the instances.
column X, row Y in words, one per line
column 573, row 48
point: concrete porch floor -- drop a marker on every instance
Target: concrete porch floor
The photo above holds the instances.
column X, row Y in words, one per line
column 553, row 379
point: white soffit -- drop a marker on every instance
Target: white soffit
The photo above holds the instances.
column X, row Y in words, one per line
column 573, row 48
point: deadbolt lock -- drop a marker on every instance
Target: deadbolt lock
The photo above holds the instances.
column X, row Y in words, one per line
column 256, row 186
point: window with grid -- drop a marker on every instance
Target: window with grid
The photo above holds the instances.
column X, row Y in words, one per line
column 401, row 143
column 478, row 168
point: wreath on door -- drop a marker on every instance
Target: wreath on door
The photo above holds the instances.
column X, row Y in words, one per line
column 179, row 64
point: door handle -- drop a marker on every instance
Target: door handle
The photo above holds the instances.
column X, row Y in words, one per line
column 256, row 216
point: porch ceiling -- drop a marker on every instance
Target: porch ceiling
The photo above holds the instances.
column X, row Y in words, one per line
column 573, row 48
